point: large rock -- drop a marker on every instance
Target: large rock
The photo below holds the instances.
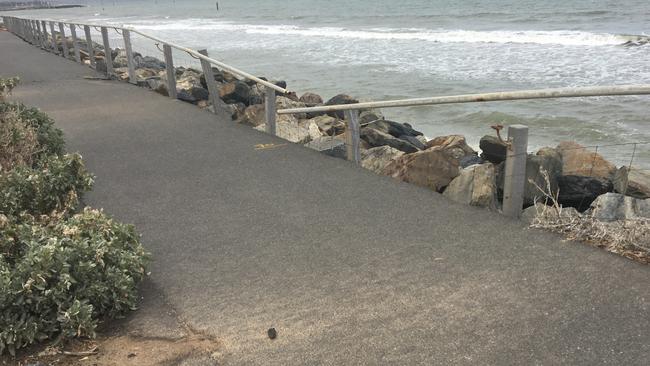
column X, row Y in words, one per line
column 377, row 158
column 329, row 145
column 253, row 115
column 455, row 144
column 235, row 92
column 394, row 129
column 369, row 115
column 578, row 160
column 615, row 206
column 493, row 149
column 433, row 168
column 218, row 77
column 286, row 103
column 413, row 141
column 632, row 182
column 475, row 186
column 329, row 125
column 188, row 85
column 579, row 191
column 143, row 74
column 340, row 99
column 311, row 99
column 540, row 210
column 546, row 160
column 158, row 85
column 290, row 131
column 376, row 138
column 148, row 62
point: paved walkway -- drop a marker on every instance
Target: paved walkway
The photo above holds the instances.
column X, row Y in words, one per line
column 350, row 267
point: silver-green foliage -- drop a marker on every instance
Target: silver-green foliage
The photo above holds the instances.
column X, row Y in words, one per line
column 58, row 277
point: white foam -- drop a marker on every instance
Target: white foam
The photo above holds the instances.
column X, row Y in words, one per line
column 560, row 37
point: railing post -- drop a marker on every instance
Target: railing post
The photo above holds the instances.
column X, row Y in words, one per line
column 515, row 171
column 89, row 47
column 171, row 72
column 352, row 135
column 75, row 42
column 54, row 47
column 108, row 56
column 270, row 110
column 129, row 56
column 209, row 80
column 46, row 42
column 39, row 32
column 64, row 41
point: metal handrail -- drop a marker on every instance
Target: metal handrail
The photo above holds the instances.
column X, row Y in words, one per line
column 587, row 91
column 194, row 53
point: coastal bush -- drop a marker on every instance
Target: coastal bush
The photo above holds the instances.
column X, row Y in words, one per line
column 59, row 276
column 61, row 270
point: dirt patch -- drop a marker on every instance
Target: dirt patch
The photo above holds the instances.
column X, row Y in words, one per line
column 151, row 336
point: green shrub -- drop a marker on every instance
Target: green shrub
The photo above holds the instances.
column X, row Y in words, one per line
column 53, row 185
column 50, row 138
column 7, row 85
column 60, row 276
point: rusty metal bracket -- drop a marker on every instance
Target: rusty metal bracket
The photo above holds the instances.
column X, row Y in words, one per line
column 498, row 129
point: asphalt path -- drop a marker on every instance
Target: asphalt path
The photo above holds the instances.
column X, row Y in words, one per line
column 348, row 266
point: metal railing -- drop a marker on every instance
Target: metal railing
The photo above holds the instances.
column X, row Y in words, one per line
column 36, row 32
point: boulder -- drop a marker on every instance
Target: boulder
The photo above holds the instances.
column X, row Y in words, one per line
column 235, row 92
column 632, row 182
column 413, row 141
column 377, row 158
column 290, row 131
column 158, row 85
column 312, row 127
column 376, row 138
column 547, row 160
column 455, row 144
column 615, row 206
column 475, row 186
column 369, row 115
column 531, row 213
column 493, row 149
column 578, row 160
column 311, row 99
column 329, row 145
column 469, row 160
column 579, row 191
column 340, row 99
column 433, row 168
column 148, row 62
column 143, row 74
column 256, row 95
column 218, row 77
column 286, row 103
column 253, row 115
column 329, row 125
column 394, row 129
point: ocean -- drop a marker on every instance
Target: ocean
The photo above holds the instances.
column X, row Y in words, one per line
column 380, row 49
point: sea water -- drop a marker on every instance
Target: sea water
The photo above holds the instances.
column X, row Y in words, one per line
column 381, row 49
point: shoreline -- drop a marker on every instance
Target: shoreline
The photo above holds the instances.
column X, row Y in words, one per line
column 54, row 7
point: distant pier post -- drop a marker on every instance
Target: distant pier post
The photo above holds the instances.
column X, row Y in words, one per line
column 46, row 42
column 515, row 171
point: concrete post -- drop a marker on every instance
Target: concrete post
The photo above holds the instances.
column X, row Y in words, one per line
column 129, row 56
column 64, row 41
column 352, row 136
column 515, row 171
column 209, row 80
column 108, row 57
column 54, row 46
column 75, row 42
column 171, row 72
column 270, row 110
column 89, row 47
column 39, row 32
